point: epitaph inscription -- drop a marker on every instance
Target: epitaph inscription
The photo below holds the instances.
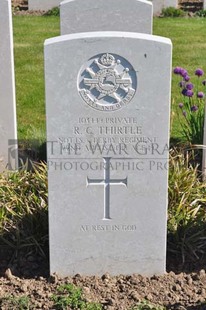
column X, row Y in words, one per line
column 107, row 82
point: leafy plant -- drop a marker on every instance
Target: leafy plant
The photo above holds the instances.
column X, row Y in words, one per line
column 18, row 303
column 71, row 296
column 192, row 107
column 201, row 13
column 145, row 305
column 172, row 12
column 23, row 210
column 53, row 12
column 186, row 210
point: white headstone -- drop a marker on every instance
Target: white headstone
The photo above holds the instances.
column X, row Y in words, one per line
column 204, row 4
column 43, row 5
column 8, row 129
column 158, row 5
column 108, row 105
column 110, row 15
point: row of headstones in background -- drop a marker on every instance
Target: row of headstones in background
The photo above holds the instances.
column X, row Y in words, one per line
column 8, row 131
column 158, row 5
column 108, row 107
column 45, row 5
column 110, row 15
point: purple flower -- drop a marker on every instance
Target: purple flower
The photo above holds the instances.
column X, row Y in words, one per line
column 177, row 70
column 199, row 72
column 184, row 113
column 186, row 78
column 184, row 91
column 200, row 94
column 180, row 105
column 183, row 72
column 182, row 83
column 189, row 93
column 204, row 82
column 194, row 108
column 189, row 86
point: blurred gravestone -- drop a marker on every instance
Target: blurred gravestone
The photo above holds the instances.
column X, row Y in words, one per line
column 110, row 15
column 43, row 5
column 158, row 5
column 8, row 131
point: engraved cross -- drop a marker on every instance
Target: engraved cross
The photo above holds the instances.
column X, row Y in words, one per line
column 106, row 182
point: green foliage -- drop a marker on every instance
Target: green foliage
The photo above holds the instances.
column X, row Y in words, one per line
column 192, row 107
column 71, row 296
column 172, row 12
column 15, row 303
column 188, row 37
column 186, row 210
column 23, row 209
column 30, row 32
column 53, row 12
column 145, row 305
column 201, row 13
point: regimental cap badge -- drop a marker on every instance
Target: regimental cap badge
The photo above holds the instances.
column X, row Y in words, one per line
column 107, row 82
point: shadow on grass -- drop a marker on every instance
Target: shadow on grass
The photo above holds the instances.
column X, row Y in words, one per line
column 186, row 249
column 30, row 151
column 175, row 142
column 24, row 248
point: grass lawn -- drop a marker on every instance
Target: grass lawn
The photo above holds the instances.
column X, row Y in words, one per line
column 189, row 44
column 30, row 33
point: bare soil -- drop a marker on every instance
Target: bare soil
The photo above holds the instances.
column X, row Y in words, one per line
column 181, row 291
column 27, row 274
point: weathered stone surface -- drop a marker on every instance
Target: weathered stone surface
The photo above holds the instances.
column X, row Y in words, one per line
column 108, row 104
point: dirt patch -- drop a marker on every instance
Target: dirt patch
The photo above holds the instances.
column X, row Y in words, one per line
column 182, row 291
column 28, row 276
